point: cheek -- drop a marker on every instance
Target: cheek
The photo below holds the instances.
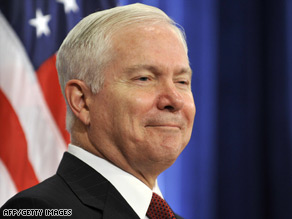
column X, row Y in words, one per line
column 130, row 116
column 133, row 114
column 138, row 104
column 189, row 112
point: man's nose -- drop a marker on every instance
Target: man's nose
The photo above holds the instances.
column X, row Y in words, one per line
column 169, row 98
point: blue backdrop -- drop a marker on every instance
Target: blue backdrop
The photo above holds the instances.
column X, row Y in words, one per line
column 238, row 163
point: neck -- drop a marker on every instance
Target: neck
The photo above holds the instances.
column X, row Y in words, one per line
column 146, row 171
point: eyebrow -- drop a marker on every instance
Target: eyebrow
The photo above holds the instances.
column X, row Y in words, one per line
column 136, row 68
column 155, row 69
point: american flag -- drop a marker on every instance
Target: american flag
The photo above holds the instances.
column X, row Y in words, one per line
column 32, row 109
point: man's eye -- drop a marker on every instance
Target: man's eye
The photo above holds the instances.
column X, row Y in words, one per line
column 143, row 78
column 183, row 82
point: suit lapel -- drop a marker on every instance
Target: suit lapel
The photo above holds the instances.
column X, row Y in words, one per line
column 117, row 207
column 93, row 189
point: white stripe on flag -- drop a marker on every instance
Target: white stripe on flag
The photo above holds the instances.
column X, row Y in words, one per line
column 7, row 187
column 20, row 85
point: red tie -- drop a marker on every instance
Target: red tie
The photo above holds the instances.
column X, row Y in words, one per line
column 159, row 209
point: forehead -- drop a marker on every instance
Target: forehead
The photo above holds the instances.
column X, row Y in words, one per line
column 145, row 31
column 149, row 44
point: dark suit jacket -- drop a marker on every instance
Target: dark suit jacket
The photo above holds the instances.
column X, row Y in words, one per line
column 76, row 186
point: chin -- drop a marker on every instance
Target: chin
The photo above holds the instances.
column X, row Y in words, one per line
column 169, row 152
column 172, row 146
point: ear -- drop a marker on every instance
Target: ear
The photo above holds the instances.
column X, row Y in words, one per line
column 78, row 97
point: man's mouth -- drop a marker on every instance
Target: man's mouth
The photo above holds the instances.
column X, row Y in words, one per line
column 165, row 126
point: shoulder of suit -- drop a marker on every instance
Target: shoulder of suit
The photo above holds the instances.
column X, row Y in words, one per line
column 47, row 194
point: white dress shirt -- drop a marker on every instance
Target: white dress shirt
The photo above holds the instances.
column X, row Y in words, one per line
column 134, row 191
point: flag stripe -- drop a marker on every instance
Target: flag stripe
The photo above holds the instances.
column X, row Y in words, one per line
column 45, row 143
column 48, row 79
column 13, row 151
column 7, row 188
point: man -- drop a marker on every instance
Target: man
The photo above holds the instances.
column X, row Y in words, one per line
column 126, row 79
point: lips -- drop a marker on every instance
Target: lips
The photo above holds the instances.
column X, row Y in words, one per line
column 164, row 126
column 162, row 122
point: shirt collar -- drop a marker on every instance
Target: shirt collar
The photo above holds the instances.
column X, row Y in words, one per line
column 134, row 191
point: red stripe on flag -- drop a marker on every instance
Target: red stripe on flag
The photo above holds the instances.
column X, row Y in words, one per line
column 48, row 79
column 13, row 150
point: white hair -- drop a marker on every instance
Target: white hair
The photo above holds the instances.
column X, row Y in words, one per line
column 86, row 50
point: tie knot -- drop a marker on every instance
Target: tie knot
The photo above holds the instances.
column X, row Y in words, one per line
column 159, row 209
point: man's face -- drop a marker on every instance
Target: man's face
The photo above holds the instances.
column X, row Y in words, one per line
column 144, row 113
